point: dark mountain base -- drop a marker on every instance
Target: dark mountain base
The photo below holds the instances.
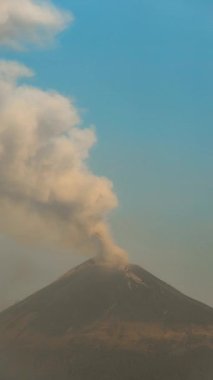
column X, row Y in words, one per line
column 89, row 363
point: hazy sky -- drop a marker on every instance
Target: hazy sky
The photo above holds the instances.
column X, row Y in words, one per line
column 141, row 72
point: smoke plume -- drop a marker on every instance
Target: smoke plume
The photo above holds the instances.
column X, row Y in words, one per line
column 24, row 22
column 48, row 195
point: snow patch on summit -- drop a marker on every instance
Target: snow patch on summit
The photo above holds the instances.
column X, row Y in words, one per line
column 133, row 279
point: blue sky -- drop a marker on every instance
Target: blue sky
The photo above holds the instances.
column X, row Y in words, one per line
column 141, row 72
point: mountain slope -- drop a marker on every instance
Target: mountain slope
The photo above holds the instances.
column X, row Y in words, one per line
column 104, row 322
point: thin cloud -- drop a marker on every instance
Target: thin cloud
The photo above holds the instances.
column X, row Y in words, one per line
column 11, row 71
column 26, row 22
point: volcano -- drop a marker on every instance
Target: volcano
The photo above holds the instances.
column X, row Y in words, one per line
column 100, row 322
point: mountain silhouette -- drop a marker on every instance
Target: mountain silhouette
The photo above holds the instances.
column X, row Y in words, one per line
column 100, row 322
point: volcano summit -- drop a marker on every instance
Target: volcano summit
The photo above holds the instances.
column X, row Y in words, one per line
column 100, row 322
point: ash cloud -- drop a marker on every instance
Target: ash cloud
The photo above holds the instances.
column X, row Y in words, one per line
column 24, row 22
column 48, row 195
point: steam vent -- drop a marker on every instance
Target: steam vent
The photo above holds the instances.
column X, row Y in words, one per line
column 100, row 322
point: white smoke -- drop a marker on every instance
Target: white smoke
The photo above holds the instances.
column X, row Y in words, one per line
column 24, row 22
column 48, row 195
